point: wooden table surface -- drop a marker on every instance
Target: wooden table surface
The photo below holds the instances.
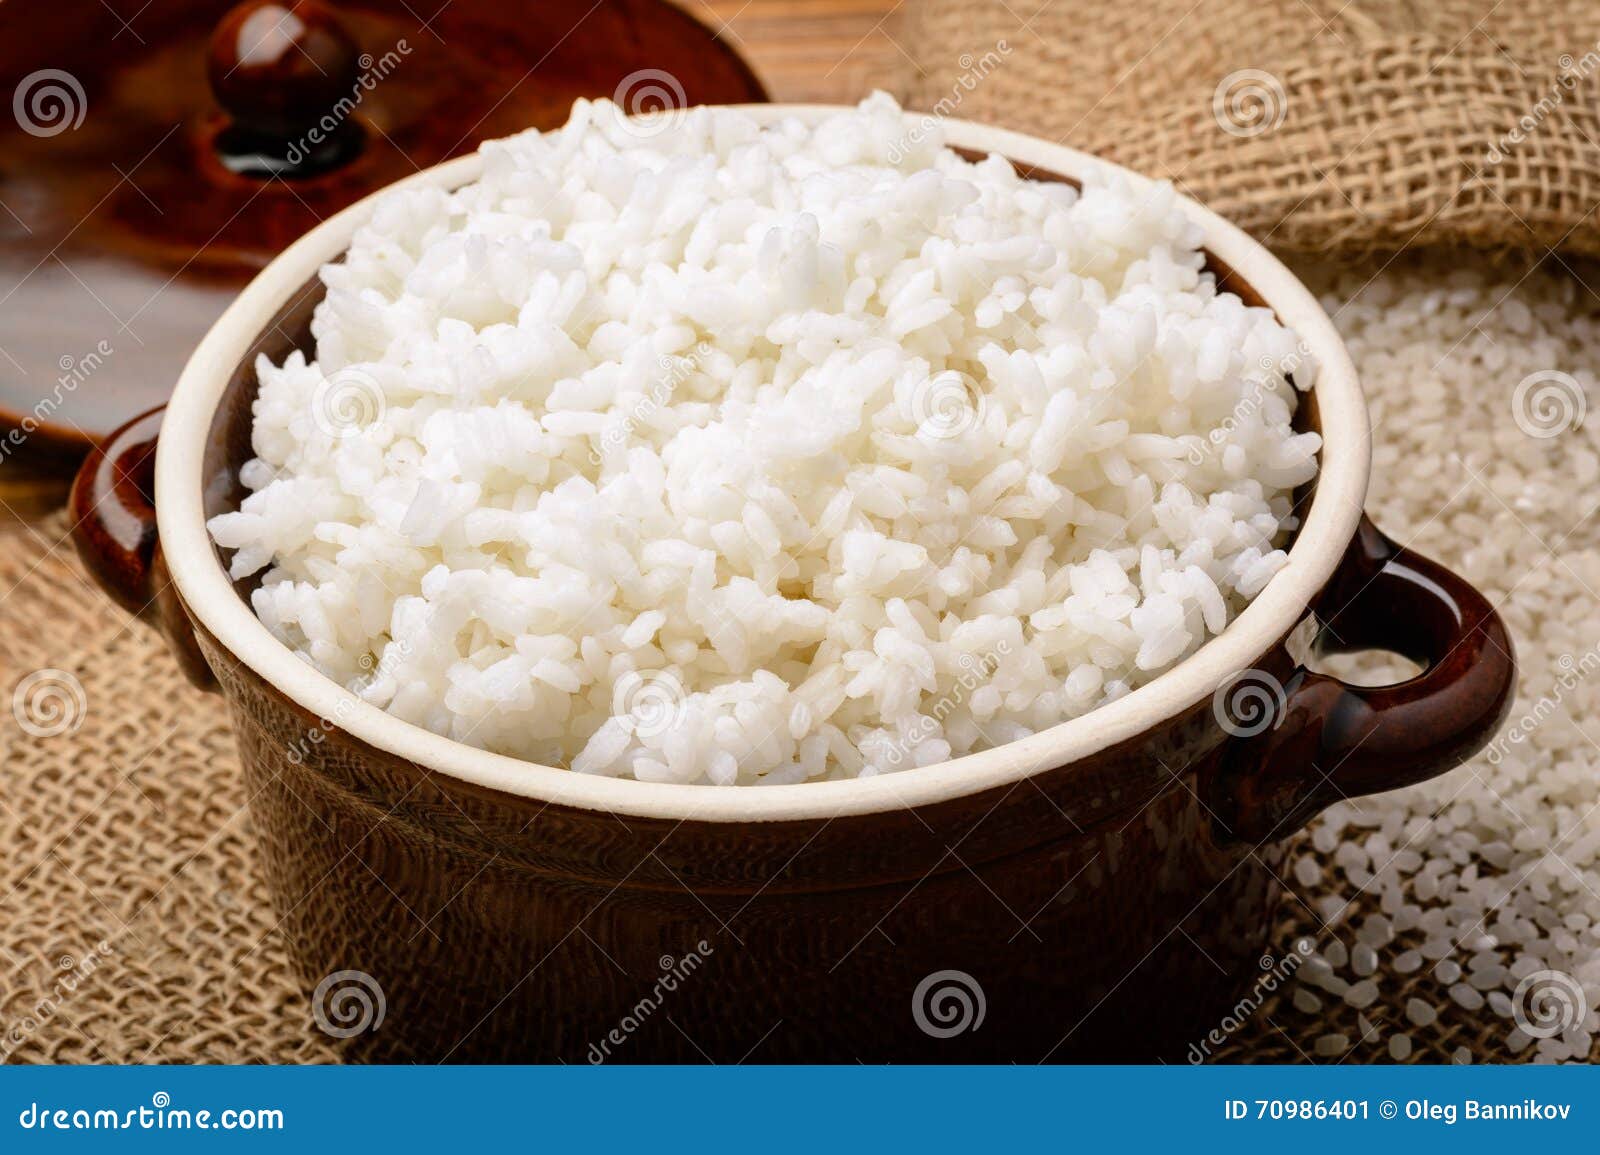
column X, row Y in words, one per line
column 822, row 51
column 828, row 51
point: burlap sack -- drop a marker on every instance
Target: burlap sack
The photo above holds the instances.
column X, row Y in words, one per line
column 1319, row 125
column 134, row 923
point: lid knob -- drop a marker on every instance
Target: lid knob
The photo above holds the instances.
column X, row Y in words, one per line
column 285, row 71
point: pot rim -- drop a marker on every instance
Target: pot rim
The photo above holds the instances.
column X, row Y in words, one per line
column 209, row 597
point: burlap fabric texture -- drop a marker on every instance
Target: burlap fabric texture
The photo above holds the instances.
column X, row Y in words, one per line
column 134, row 926
column 1320, row 126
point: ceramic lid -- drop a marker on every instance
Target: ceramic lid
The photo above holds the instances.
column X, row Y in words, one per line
column 156, row 155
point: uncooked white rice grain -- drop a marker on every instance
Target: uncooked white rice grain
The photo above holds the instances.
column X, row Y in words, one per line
column 1465, row 472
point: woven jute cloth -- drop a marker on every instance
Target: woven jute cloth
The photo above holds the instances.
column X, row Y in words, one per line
column 1320, row 125
column 134, row 926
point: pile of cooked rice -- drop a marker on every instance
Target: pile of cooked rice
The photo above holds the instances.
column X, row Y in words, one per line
column 701, row 451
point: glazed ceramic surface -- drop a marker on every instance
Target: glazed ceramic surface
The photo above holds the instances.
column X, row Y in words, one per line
column 191, row 143
column 1097, row 891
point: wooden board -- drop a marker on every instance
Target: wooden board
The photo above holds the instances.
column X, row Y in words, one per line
column 822, row 51
column 815, row 51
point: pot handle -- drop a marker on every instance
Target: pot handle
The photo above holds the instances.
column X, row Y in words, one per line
column 113, row 514
column 1301, row 745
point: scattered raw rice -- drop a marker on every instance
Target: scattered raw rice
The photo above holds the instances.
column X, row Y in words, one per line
column 1330, row 1045
column 1306, row 1001
column 1362, row 994
column 1493, row 872
column 1419, row 1013
column 1376, row 931
column 1465, row 997
column 1307, row 870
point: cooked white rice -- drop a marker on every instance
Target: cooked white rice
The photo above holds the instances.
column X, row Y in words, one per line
column 703, row 452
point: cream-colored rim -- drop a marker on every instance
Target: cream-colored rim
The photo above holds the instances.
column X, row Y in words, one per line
column 1329, row 525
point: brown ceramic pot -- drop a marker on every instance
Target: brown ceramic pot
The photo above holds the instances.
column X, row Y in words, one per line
column 1097, row 891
